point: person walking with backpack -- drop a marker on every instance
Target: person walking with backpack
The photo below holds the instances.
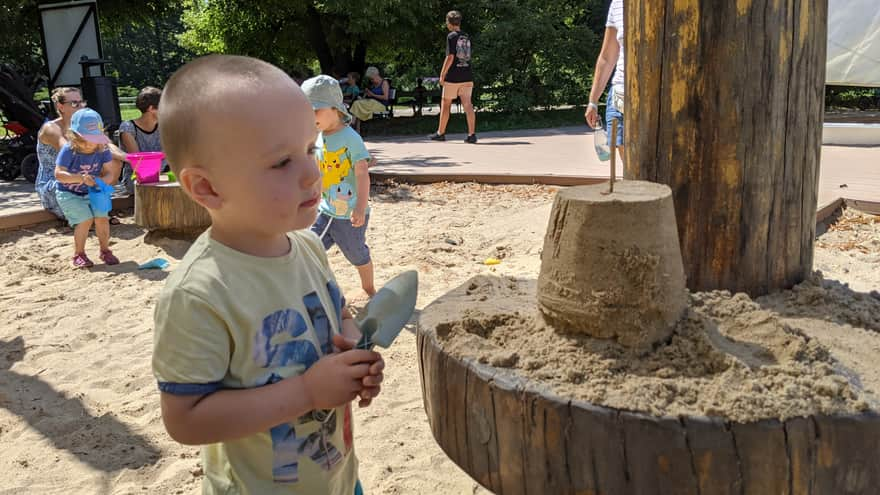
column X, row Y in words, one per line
column 457, row 78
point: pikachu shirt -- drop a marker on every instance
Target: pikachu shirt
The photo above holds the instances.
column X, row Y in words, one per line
column 337, row 154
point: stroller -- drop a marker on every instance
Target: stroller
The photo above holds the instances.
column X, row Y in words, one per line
column 21, row 120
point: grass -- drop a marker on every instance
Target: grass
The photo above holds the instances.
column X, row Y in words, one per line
column 130, row 113
column 486, row 121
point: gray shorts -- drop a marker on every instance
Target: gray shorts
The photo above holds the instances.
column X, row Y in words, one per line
column 352, row 241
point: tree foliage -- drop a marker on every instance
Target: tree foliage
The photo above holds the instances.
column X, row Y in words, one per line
column 20, row 42
column 527, row 53
column 530, row 53
column 129, row 33
column 340, row 35
column 146, row 51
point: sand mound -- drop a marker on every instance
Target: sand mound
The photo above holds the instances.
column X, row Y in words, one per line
column 729, row 356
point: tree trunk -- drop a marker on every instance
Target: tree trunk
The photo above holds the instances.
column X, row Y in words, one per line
column 164, row 207
column 157, row 32
column 319, row 40
column 359, row 61
column 724, row 103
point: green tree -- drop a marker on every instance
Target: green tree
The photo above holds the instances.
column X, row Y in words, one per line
column 526, row 52
column 339, row 35
column 20, row 44
column 145, row 51
column 533, row 53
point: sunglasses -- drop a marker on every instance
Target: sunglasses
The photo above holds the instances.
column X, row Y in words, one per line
column 77, row 103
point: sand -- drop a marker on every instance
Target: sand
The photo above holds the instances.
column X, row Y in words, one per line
column 794, row 353
column 728, row 356
column 611, row 266
column 78, row 405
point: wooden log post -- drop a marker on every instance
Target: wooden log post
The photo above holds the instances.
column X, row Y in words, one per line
column 724, row 103
column 164, row 207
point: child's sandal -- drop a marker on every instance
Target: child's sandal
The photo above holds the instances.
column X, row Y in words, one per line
column 80, row 260
column 108, row 257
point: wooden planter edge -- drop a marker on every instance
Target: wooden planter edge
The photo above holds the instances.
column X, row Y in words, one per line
column 514, row 436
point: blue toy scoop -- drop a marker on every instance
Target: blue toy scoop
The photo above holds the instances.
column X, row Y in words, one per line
column 101, row 196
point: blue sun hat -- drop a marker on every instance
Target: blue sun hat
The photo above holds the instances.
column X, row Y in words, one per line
column 88, row 124
column 324, row 92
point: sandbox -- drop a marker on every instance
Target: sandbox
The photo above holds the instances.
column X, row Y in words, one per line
column 735, row 395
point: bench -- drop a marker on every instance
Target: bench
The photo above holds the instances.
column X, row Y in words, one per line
column 418, row 99
column 389, row 106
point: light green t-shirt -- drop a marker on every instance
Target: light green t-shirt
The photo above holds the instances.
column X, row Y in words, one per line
column 225, row 320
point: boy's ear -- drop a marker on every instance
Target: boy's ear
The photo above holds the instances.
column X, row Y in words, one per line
column 196, row 182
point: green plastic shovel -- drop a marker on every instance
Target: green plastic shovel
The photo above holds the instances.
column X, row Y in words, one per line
column 388, row 311
column 384, row 317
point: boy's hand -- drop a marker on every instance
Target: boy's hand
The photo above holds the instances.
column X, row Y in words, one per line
column 372, row 382
column 350, row 331
column 358, row 217
column 338, row 378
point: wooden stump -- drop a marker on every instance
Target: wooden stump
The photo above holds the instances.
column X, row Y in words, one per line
column 163, row 206
column 515, row 437
column 724, row 103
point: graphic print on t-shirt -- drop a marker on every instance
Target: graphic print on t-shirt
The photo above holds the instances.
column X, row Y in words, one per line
column 284, row 341
column 337, row 181
column 463, row 50
column 335, row 166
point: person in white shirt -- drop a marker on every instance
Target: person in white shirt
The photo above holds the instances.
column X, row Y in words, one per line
column 610, row 59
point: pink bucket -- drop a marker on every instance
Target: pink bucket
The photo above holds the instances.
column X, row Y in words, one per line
column 146, row 165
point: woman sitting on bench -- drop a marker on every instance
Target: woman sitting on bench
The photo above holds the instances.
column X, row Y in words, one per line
column 376, row 98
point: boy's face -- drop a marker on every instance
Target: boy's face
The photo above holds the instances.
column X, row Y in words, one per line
column 262, row 167
column 326, row 118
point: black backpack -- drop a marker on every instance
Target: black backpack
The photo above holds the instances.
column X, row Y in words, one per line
column 463, row 49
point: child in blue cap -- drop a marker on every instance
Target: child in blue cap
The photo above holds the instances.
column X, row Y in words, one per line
column 83, row 159
column 344, row 212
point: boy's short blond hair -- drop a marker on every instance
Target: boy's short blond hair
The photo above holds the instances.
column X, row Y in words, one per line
column 193, row 95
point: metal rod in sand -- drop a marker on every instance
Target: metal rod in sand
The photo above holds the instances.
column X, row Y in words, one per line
column 613, row 163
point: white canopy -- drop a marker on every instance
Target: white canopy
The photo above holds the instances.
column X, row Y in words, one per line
column 853, row 43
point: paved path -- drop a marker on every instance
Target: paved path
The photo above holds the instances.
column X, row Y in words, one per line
column 567, row 153
column 561, row 155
